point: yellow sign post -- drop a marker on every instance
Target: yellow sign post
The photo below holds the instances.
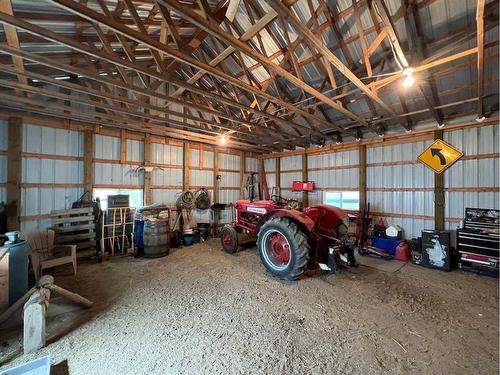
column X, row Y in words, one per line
column 439, row 156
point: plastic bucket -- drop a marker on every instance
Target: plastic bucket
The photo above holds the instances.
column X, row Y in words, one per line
column 188, row 239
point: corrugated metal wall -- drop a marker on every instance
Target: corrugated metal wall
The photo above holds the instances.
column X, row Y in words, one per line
column 270, row 169
column 335, row 171
column 398, row 187
column 397, row 184
column 477, row 172
column 108, row 172
column 52, row 172
column 291, row 170
column 167, row 178
column 4, row 129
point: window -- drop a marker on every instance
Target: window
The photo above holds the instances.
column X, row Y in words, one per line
column 135, row 195
column 347, row 200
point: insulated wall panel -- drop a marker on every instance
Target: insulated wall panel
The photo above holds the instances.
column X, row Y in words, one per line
column 168, row 180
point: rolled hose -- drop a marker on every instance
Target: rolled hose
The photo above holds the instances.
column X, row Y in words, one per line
column 202, row 199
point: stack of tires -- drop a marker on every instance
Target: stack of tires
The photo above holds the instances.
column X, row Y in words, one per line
column 156, row 238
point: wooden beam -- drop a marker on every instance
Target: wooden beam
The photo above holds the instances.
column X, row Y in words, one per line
column 12, row 38
column 362, row 40
column 123, row 146
column 14, row 172
column 162, row 48
column 439, row 199
column 216, row 191
column 148, row 176
column 480, row 56
column 362, row 177
column 282, row 10
column 88, row 166
column 278, row 174
column 264, row 60
column 186, row 166
column 250, row 33
column 305, row 178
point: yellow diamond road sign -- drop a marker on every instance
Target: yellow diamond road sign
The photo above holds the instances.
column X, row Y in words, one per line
column 439, row 156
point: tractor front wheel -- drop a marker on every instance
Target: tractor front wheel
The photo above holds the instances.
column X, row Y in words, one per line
column 229, row 239
column 283, row 248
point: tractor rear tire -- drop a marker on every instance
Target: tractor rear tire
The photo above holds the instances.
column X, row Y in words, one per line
column 229, row 239
column 283, row 248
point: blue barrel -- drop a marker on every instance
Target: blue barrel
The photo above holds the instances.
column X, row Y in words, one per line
column 18, row 270
column 138, row 234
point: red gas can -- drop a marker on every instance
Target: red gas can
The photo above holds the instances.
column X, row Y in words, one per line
column 403, row 252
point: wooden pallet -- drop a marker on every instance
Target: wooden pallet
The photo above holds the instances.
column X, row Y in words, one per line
column 75, row 227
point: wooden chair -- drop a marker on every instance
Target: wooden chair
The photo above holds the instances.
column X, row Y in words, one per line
column 45, row 255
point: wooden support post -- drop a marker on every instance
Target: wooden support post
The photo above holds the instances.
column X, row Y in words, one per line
column 148, row 150
column 439, row 200
column 186, row 166
column 261, row 179
column 305, row 194
column 277, row 169
column 123, row 146
column 216, row 191
column 14, row 173
column 242, row 173
column 362, row 177
column 88, row 166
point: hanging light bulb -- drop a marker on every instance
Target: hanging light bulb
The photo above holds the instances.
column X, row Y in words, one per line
column 409, row 80
column 223, row 139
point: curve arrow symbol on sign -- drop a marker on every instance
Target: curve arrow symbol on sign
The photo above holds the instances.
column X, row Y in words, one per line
column 437, row 152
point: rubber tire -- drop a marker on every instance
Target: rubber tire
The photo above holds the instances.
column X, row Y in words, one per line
column 234, row 236
column 299, row 247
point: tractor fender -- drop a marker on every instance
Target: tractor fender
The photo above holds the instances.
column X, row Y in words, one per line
column 296, row 216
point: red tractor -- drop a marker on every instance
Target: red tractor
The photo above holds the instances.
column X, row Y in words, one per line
column 290, row 238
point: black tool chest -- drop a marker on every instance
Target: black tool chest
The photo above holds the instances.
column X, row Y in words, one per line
column 478, row 242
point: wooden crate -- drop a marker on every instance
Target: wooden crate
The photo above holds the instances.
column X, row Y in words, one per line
column 75, row 227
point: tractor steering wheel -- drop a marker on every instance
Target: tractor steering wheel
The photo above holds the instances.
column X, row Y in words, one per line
column 278, row 199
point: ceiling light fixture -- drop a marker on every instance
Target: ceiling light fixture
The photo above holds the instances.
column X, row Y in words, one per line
column 223, row 139
column 409, row 80
column 480, row 119
column 441, row 126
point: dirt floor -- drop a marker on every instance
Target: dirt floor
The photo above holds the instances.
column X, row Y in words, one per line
column 201, row 311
